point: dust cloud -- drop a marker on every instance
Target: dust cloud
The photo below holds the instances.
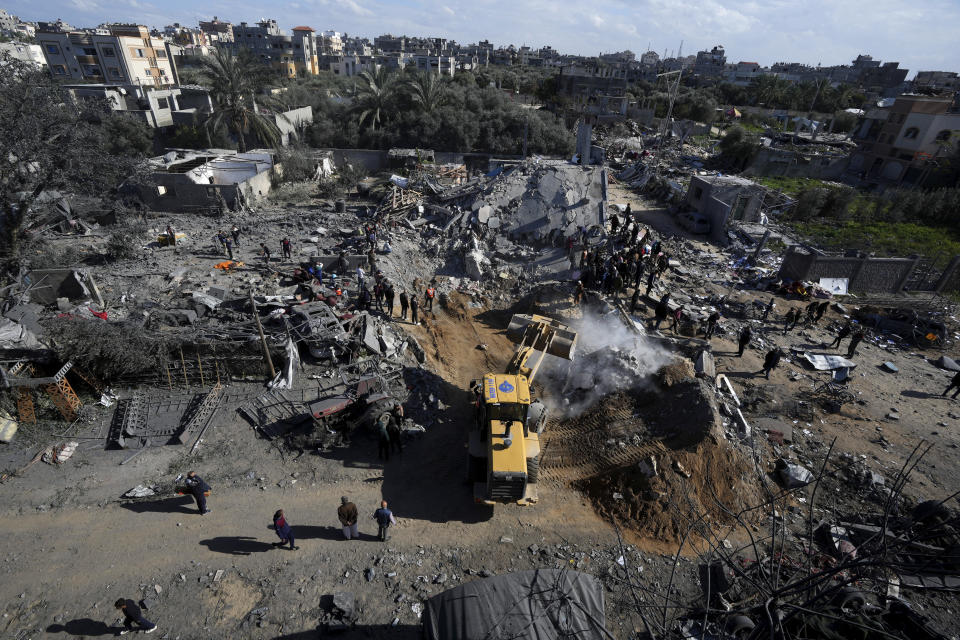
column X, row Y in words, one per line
column 609, row 357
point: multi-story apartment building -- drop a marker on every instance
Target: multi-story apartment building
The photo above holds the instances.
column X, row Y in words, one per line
column 937, row 81
column 184, row 36
column 743, row 73
column 330, row 43
column 896, row 144
column 217, row 31
column 711, row 63
column 127, row 54
column 291, row 56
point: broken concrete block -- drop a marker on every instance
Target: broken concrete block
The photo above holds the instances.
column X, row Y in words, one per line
column 793, row 475
column 473, row 263
column 417, row 350
column 648, row 467
column 344, row 604
column 705, row 365
column 64, row 305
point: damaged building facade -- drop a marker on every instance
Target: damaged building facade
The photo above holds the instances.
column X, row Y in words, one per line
column 193, row 181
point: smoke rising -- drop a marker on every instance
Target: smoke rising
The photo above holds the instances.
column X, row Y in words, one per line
column 609, row 357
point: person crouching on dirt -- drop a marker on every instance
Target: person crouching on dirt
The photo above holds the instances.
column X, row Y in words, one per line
column 198, row 489
column 131, row 615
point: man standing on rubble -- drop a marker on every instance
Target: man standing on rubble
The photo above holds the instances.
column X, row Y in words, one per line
column 384, row 518
column 712, row 321
column 235, row 232
column 812, row 312
column 651, row 278
column 228, row 244
column 347, row 513
column 285, row 247
column 429, row 296
column 771, row 360
column 790, row 319
column 221, row 238
column 822, row 309
column 171, row 236
column 265, row 254
column 198, row 489
column 660, row 312
column 857, row 338
column 383, row 437
column 404, row 302
column 767, row 309
column 414, row 307
column 388, row 294
column 378, row 295
column 746, row 335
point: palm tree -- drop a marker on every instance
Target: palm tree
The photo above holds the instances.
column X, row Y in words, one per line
column 233, row 81
column 373, row 95
column 428, row 90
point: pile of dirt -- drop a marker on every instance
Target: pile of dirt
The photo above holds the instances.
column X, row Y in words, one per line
column 654, row 460
column 663, row 506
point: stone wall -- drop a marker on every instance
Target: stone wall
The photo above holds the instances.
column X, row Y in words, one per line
column 866, row 274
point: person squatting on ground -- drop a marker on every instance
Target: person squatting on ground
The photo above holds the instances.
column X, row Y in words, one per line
column 132, row 615
column 347, row 513
column 283, row 529
column 198, row 489
column 384, row 518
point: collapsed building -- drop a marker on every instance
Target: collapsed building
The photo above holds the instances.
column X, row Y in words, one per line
column 199, row 181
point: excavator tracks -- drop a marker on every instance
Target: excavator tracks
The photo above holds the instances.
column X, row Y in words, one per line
column 578, row 449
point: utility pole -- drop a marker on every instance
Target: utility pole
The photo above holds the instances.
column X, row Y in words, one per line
column 666, row 121
column 263, row 338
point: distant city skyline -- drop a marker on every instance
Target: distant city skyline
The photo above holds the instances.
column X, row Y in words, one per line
column 920, row 35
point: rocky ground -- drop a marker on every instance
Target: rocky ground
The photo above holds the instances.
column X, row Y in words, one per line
column 73, row 545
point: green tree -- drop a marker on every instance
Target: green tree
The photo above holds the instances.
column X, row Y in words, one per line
column 48, row 142
column 233, row 82
column 127, row 136
column 428, row 91
column 375, row 93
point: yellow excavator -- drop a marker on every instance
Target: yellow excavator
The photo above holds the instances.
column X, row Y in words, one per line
column 504, row 443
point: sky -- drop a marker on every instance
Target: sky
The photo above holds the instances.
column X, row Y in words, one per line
column 920, row 34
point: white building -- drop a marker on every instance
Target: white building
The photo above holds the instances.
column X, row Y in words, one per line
column 25, row 52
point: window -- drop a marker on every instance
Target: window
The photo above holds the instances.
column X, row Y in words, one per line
column 163, row 72
column 162, row 103
column 911, row 133
column 109, row 52
column 53, row 49
column 944, row 135
column 161, row 190
column 89, row 51
column 114, row 72
column 59, row 70
column 139, row 53
column 161, row 53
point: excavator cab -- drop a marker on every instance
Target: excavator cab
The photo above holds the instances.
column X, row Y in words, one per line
column 504, row 445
